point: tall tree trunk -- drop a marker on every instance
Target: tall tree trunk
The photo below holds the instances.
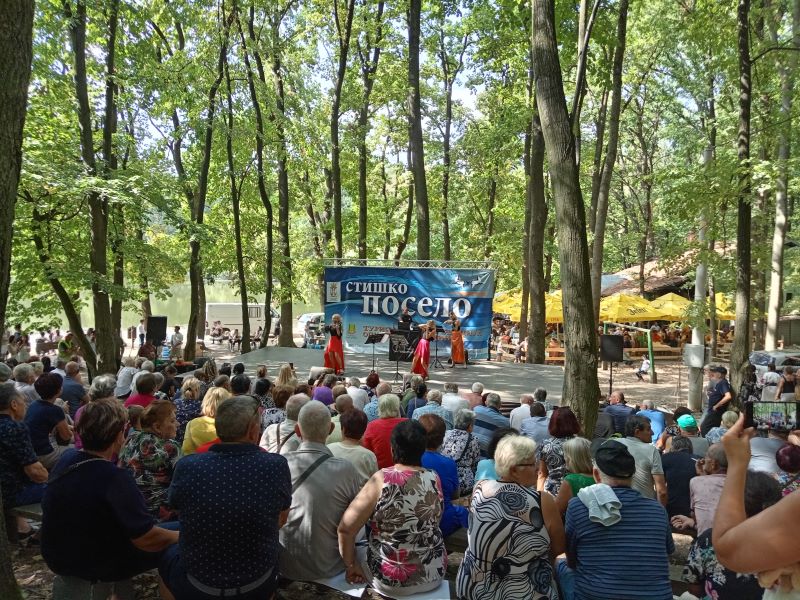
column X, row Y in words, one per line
column 262, row 186
column 197, row 290
column 369, row 57
column 16, row 53
column 403, row 242
column 741, row 339
column 581, row 390
column 8, row 583
column 538, row 210
column 237, row 222
column 526, row 231
column 597, row 162
column 786, row 70
column 344, row 31
column 610, row 157
column 105, row 356
column 415, row 133
column 492, row 198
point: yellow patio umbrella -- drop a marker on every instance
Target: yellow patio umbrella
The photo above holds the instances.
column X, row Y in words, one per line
column 726, row 309
column 626, row 308
column 553, row 309
column 508, row 303
column 671, row 306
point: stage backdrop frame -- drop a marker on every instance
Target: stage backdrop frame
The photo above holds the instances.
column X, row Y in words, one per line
column 371, row 300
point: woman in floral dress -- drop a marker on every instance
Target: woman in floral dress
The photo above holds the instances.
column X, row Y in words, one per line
column 403, row 506
column 550, row 454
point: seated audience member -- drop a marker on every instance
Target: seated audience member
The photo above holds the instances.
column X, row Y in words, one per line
column 44, row 419
column 788, row 459
column 578, row 459
column 146, row 386
column 124, row 378
column 134, row 425
column 277, row 413
column 222, row 381
column 670, row 431
column 706, row 577
column 619, row 410
column 403, row 505
column 24, row 376
column 188, row 406
column 434, row 407
column 656, row 417
column 341, row 403
column 226, row 369
column 550, row 454
column 323, row 486
column 767, row 542
column 487, row 419
column 232, row 501
column 95, row 524
column 371, row 408
column 282, row 437
column 536, row 425
column 286, row 376
column 649, row 477
column 103, row 386
column 22, row 476
column 171, row 384
column 354, row 424
column 371, row 384
column 460, row 445
column 486, row 467
column 502, row 531
column 453, row 517
column 409, row 391
column 147, row 350
column 705, row 490
column 604, row 426
column 378, row 435
column 521, row 412
column 358, row 395
column 452, row 400
column 324, row 392
column 680, row 467
column 764, row 449
column 642, row 531
column 689, row 428
column 262, row 391
column 240, row 385
column 146, row 367
column 419, row 399
column 475, row 396
column 203, row 429
column 714, row 435
column 150, row 455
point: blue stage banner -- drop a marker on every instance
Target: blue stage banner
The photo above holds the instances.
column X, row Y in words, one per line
column 371, row 300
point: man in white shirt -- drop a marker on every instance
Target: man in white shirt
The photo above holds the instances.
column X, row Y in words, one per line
column 452, row 400
column 282, row 437
column 176, row 344
column 141, row 331
column 644, row 369
column 522, row 412
column 360, row 397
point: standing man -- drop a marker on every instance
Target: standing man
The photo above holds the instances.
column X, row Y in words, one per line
column 141, row 330
column 176, row 344
column 719, row 395
column 648, row 479
column 233, row 500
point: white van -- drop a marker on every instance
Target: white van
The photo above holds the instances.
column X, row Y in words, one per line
column 229, row 317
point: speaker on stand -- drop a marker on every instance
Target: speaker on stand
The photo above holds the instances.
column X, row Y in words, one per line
column 157, row 330
column 611, row 352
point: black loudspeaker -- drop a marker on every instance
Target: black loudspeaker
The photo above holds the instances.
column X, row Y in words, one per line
column 157, row 329
column 611, row 348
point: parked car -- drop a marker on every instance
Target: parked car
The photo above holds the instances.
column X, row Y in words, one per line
column 305, row 317
column 760, row 359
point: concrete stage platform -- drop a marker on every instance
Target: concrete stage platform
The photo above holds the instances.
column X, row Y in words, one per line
column 507, row 379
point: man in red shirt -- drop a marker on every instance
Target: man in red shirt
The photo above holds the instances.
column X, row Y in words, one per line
column 379, row 432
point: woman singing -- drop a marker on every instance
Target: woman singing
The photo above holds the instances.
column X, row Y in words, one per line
column 422, row 355
column 334, row 354
column 456, row 341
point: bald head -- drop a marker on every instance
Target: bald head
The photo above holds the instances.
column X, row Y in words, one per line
column 72, row 369
column 294, row 404
column 314, row 422
column 383, row 388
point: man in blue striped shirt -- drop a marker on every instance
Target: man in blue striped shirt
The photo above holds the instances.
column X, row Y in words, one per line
column 641, row 537
column 487, row 419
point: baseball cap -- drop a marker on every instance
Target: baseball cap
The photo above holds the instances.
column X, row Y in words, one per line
column 687, row 422
column 613, row 459
column 719, row 369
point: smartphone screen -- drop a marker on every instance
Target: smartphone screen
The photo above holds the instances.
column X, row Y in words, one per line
column 771, row 415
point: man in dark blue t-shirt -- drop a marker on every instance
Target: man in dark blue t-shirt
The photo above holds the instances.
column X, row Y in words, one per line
column 73, row 392
column 232, row 501
column 719, row 396
column 618, row 410
column 44, row 417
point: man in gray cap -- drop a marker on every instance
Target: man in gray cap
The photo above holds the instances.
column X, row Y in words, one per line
column 642, row 531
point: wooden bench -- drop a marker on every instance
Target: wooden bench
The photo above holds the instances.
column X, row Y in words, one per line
column 43, row 347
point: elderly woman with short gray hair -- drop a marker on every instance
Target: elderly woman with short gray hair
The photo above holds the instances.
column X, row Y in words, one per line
column 514, row 530
column 378, row 435
column 460, row 445
column 103, row 386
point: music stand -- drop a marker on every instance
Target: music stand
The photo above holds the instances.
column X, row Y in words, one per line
column 437, row 364
column 399, row 344
column 375, row 338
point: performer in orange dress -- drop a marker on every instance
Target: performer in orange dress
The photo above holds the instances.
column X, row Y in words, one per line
column 334, row 353
column 422, row 354
column 456, row 341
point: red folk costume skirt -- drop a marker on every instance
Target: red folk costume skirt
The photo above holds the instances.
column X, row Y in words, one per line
column 457, row 347
column 422, row 356
column 334, row 347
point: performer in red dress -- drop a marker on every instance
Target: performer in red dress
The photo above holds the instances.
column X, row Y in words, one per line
column 422, row 355
column 334, row 353
column 456, row 341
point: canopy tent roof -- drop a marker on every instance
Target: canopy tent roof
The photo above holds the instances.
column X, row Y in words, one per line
column 671, row 306
column 625, row 308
